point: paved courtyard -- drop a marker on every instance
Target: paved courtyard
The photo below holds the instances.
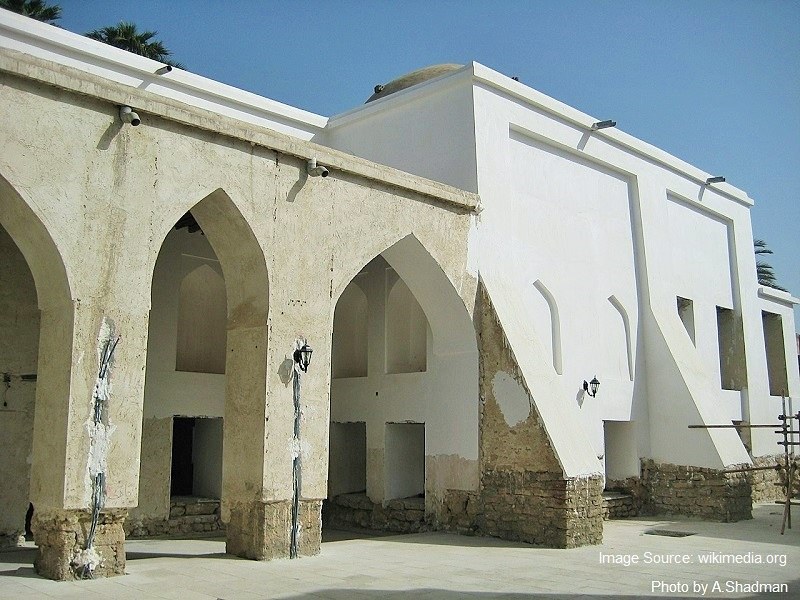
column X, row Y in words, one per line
column 630, row 563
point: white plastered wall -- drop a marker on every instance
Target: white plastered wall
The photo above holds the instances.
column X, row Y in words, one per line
column 436, row 116
column 608, row 196
column 168, row 391
column 765, row 407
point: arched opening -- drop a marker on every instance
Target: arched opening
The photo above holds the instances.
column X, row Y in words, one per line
column 203, row 295
column 405, row 432
column 35, row 362
column 19, row 354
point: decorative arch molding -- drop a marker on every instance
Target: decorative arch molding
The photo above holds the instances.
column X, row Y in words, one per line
column 45, row 260
column 627, row 325
column 449, row 319
column 555, row 324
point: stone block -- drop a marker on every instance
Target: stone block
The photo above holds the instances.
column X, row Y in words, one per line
column 61, row 539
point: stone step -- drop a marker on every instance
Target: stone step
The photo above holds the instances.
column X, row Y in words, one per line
column 618, row 505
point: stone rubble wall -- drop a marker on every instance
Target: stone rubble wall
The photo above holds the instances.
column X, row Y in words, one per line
column 770, row 485
column 619, row 506
column 700, row 492
column 186, row 516
column 542, row 508
column 405, row 515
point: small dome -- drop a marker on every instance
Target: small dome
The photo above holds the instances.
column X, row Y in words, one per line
column 413, row 78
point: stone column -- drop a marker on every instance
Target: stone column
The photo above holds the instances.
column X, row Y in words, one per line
column 259, row 446
column 257, row 521
column 71, row 447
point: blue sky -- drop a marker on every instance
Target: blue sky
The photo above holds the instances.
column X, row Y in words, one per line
column 716, row 83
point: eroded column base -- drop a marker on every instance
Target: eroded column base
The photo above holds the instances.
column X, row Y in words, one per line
column 61, row 540
column 262, row 530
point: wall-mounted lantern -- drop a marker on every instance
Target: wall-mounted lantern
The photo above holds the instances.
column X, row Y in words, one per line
column 591, row 386
column 302, row 356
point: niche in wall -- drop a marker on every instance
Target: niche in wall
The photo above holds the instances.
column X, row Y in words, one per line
column 732, row 365
column 202, row 318
column 406, row 328
column 404, row 457
column 196, row 457
column 347, row 466
column 686, row 313
column 776, row 353
column 350, row 339
column 621, row 458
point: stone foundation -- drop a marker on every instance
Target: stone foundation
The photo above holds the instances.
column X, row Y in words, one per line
column 770, row 485
column 405, row 515
column 187, row 516
column 261, row 530
column 526, row 506
column 542, row 508
column 61, row 536
column 709, row 494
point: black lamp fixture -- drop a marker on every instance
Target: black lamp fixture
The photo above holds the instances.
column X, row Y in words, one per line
column 302, row 356
column 591, row 386
column 604, row 125
column 718, row 179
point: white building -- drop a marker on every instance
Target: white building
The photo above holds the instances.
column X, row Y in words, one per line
column 477, row 252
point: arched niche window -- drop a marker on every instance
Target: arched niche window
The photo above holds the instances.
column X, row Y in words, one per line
column 350, row 322
column 406, row 328
column 202, row 316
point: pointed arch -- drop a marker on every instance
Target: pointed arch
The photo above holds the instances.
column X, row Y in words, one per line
column 33, row 239
column 447, row 314
column 54, row 297
column 439, row 403
column 555, row 324
column 350, row 352
column 627, row 327
column 228, row 247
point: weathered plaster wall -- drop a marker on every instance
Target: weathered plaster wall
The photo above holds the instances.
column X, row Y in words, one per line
column 19, row 345
column 156, row 465
column 108, row 195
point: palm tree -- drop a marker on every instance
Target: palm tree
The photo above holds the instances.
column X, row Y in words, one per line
column 126, row 36
column 35, row 9
column 766, row 276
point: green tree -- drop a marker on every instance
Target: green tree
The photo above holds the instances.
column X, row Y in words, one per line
column 35, row 9
column 766, row 276
column 126, row 36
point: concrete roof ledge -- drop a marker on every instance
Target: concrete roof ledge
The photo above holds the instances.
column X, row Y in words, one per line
column 522, row 92
column 146, row 102
column 71, row 49
column 769, row 293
